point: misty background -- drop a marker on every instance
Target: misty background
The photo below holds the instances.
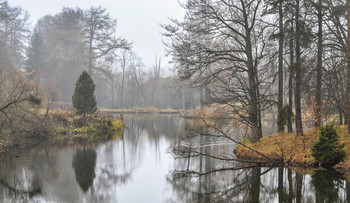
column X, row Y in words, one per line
column 55, row 48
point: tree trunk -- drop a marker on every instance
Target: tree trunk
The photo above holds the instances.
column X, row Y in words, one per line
column 291, row 75
column 340, row 111
column 290, row 185
column 299, row 185
column 255, row 132
column 259, row 109
column 319, row 65
column 347, row 189
column 254, row 192
column 297, row 94
column 201, row 97
column 123, row 81
column 280, row 65
column 280, row 189
column 347, row 96
column 113, row 94
column 90, row 54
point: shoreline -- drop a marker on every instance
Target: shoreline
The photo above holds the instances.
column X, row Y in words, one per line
column 66, row 129
column 287, row 150
column 32, row 142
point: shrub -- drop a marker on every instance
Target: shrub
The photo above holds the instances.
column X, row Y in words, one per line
column 285, row 114
column 327, row 150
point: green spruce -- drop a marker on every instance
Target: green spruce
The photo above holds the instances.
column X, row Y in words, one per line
column 84, row 100
column 327, row 150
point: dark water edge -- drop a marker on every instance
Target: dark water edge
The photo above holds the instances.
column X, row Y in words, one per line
column 137, row 167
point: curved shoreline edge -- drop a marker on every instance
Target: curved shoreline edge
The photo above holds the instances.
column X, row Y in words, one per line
column 287, row 150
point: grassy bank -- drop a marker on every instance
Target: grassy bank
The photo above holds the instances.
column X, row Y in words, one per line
column 288, row 150
column 65, row 128
column 73, row 128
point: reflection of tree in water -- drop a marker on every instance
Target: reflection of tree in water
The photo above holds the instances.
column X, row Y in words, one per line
column 21, row 179
column 201, row 175
column 241, row 185
column 327, row 184
column 84, row 162
column 205, row 178
column 224, row 184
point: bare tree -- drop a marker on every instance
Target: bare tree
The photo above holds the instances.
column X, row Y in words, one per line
column 99, row 31
column 155, row 77
column 19, row 96
column 337, row 49
column 220, row 45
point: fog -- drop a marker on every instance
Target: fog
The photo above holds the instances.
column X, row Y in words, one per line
column 54, row 50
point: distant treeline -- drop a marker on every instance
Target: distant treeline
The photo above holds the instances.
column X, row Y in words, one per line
column 59, row 47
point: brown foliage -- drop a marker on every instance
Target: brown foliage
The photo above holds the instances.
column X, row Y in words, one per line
column 292, row 150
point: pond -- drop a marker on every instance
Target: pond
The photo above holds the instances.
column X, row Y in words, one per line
column 138, row 167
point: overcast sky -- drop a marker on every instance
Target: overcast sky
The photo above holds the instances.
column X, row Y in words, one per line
column 138, row 20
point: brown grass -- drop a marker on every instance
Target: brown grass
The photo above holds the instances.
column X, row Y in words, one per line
column 290, row 150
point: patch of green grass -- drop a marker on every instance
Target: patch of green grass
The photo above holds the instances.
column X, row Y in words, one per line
column 97, row 127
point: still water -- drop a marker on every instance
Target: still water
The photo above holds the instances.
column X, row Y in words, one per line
column 138, row 167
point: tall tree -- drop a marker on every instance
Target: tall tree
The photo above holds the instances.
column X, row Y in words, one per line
column 14, row 33
column 280, row 60
column 319, row 8
column 297, row 93
column 99, row 32
column 336, row 46
column 218, row 44
column 347, row 96
column 35, row 55
column 291, row 73
column 276, row 6
column 62, row 49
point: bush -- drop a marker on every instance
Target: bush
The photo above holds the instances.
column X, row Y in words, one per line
column 327, row 150
column 284, row 115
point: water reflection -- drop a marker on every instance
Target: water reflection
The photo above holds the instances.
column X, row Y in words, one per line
column 327, row 185
column 214, row 180
column 22, row 180
column 84, row 162
column 138, row 168
column 261, row 185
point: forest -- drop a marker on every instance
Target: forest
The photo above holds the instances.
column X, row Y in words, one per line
column 252, row 104
column 280, row 57
column 41, row 63
column 288, row 57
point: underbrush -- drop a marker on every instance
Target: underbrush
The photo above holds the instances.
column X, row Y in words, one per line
column 291, row 150
column 69, row 123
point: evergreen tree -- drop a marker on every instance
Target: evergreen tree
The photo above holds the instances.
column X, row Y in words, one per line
column 35, row 55
column 84, row 100
column 327, row 149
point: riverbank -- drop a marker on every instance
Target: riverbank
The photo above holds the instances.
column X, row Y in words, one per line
column 73, row 128
column 285, row 149
column 66, row 128
column 141, row 110
column 212, row 111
